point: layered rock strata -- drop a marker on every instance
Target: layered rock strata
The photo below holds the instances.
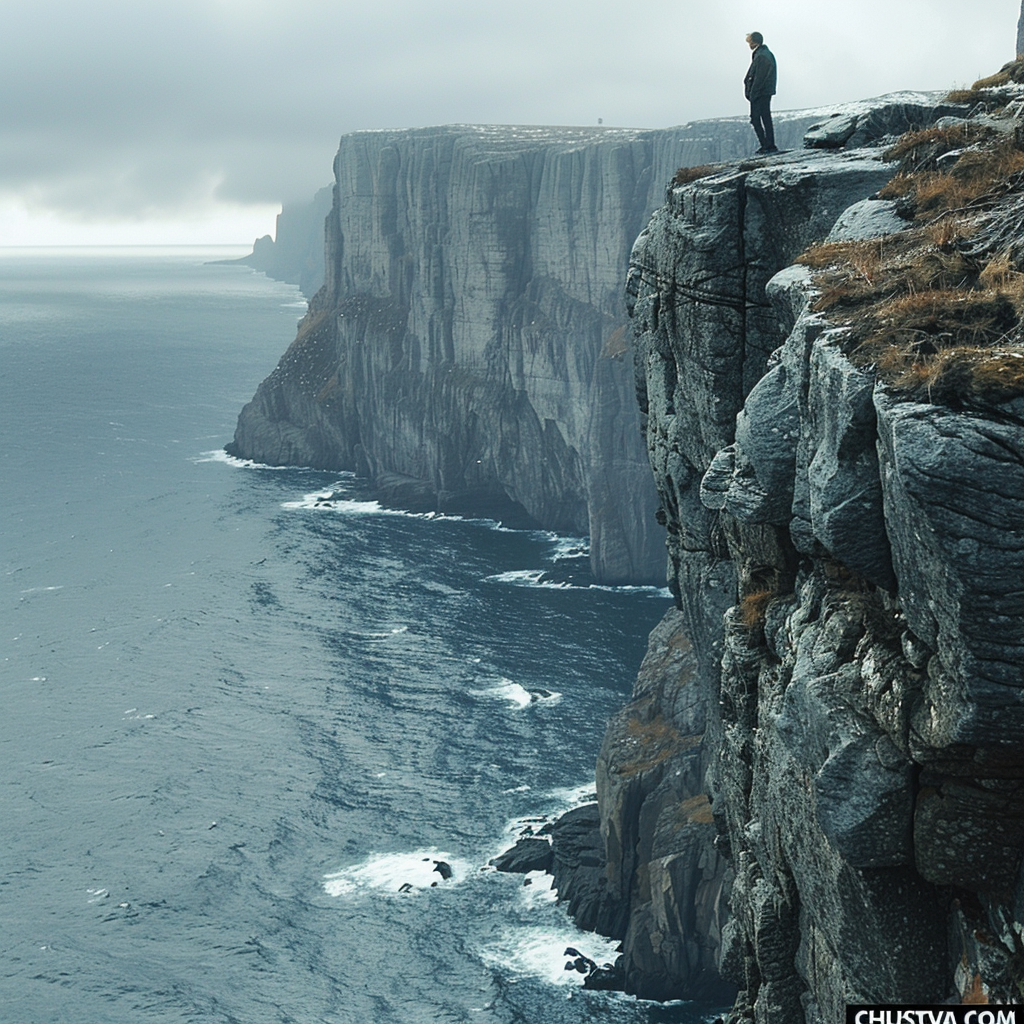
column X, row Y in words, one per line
column 468, row 349
column 847, row 564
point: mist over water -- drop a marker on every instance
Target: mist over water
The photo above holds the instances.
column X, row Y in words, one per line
column 244, row 706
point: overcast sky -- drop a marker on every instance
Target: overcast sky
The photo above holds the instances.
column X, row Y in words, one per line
column 192, row 120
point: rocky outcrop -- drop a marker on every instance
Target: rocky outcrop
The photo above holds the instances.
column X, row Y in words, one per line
column 662, row 870
column 469, row 348
column 847, row 565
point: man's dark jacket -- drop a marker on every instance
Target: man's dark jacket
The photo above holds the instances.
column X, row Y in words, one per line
column 759, row 81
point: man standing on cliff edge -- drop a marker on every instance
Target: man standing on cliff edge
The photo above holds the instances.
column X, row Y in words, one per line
column 759, row 86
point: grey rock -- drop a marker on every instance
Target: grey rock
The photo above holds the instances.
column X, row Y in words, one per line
column 951, row 122
column 861, row 781
column 528, row 854
column 767, row 431
column 844, row 561
column 876, row 121
column 698, row 279
column 832, row 133
column 870, row 218
column 578, row 867
column 844, row 485
column 716, row 482
column 953, row 483
column 662, row 869
column 789, row 292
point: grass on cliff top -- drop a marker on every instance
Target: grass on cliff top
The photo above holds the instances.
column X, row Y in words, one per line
column 978, row 173
column 937, row 310
column 1008, row 74
column 687, row 174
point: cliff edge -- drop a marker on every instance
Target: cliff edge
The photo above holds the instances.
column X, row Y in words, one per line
column 839, row 456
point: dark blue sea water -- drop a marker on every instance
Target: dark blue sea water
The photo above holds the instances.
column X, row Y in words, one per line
column 234, row 722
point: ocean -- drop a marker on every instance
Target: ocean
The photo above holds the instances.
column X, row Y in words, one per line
column 244, row 707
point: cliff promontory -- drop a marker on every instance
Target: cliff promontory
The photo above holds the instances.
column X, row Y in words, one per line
column 838, row 446
column 469, row 349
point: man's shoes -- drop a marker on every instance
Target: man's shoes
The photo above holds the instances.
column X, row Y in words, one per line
column 769, row 149
column 760, row 151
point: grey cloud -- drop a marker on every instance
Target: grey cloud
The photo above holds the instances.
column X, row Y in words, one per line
column 118, row 108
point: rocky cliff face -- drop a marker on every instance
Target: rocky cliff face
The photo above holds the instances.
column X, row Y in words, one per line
column 468, row 349
column 846, row 562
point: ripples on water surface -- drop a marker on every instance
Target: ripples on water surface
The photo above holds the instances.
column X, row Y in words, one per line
column 236, row 721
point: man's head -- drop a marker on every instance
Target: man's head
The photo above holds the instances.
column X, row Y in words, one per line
column 754, row 40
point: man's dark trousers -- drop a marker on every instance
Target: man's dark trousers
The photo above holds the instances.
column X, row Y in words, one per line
column 761, row 119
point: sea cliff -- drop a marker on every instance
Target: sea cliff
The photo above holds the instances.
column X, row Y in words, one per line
column 469, row 349
column 845, row 554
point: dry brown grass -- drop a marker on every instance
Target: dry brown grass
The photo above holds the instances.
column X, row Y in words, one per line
column 697, row 810
column 655, row 741
column 960, row 374
column 964, row 96
column 903, row 336
column 992, row 82
column 993, row 374
column 919, row 150
column 850, row 273
column 753, row 606
column 617, row 343
column 937, row 310
column 855, row 274
column 1011, row 72
column 687, row 174
column 1001, row 274
column 310, row 324
column 952, row 346
column 949, row 232
column 865, row 257
column 976, row 93
column 977, row 175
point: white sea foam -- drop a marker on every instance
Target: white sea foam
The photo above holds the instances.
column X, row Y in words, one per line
column 526, row 578
column 385, row 635
column 553, row 804
column 537, row 890
column 567, row 797
column 525, row 826
column 539, row 951
column 539, row 578
column 388, row 873
column 329, row 500
column 517, row 695
column 219, row 455
column 569, row 547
